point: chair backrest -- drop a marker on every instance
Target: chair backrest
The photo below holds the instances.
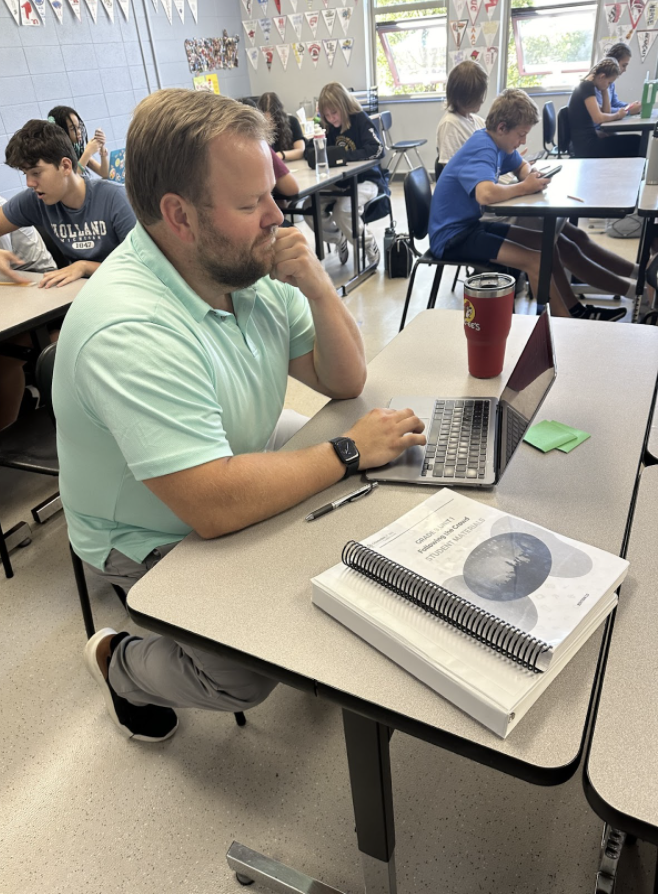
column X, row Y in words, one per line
column 43, row 374
column 549, row 123
column 563, row 131
column 386, row 120
column 438, row 168
column 417, row 200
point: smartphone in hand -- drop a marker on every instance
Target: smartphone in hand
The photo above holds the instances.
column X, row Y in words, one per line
column 549, row 173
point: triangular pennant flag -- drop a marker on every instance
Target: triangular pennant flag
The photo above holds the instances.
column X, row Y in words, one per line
column 297, row 20
column 58, row 9
column 40, row 6
column 458, row 29
column 474, row 7
column 312, row 19
column 635, row 10
column 266, row 27
column 109, row 8
column 252, row 56
column 155, row 5
column 490, row 6
column 180, row 9
column 345, row 16
column 194, row 9
column 346, row 45
column 250, row 30
column 93, row 8
column 166, row 5
column 125, row 8
column 327, row 1
column 490, row 29
column 262, row 6
column 489, row 57
column 330, row 47
column 247, row 6
column 472, row 34
column 28, row 15
column 293, row 3
column 475, row 53
column 645, row 40
column 650, row 13
column 460, row 6
column 612, row 12
column 313, row 49
column 15, row 10
column 605, row 45
column 456, row 57
column 329, row 16
column 277, row 3
column 75, row 6
column 281, row 22
column 283, row 49
column 268, row 55
column 298, row 50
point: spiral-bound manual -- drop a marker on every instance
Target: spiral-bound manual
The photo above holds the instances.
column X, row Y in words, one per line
column 484, row 607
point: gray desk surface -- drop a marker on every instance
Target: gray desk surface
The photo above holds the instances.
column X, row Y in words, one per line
column 26, row 307
column 251, row 591
column 621, row 774
column 631, row 123
column 310, row 183
column 595, row 180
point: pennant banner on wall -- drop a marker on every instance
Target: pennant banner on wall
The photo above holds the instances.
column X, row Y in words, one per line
column 313, row 49
column 473, row 33
column 460, row 6
column 456, row 57
column 40, row 6
column 605, row 45
column 15, row 10
column 297, row 20
column 612, row 12
column 345, row 16
column 277, row 3
column 490, row 29
column 312, row 19
column 125, row 8
column 490, row 57
column 252, row 56
column 490, row 6
column 155, row 5
column 645, row 41
column 283, row 49
column 635, row 10
column 108, row 5
column 93, row 8
column 281, row 22
column 347, row 45
column 329, row 16
column 651, row 13
column 166, row 5
column 268, row 55
column 28, row 15
column 194, row 10
column 75, row 6
column 475, row 54
column 474, row 7
column 265, row 27
column 293, row 3
column 298, row 50
column 57, row 9
column 458, row 29
column 180, row 9
column 247, row 6
column 330, row 47
column 262, row 6
column 250, row 30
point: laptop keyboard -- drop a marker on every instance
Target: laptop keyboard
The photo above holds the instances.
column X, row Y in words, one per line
column 457, row 440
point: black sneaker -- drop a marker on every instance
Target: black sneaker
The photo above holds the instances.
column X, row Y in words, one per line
column 343, row 250
column 611, row 314
column 150, row 723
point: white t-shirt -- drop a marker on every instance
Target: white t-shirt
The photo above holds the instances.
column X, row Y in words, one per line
column 453, row 131
column 30, row 248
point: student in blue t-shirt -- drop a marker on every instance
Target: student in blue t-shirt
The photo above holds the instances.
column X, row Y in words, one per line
column 470, row 180
column 622, row 53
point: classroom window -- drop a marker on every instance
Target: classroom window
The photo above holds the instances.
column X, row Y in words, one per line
column 411, row 48
column 550, row 43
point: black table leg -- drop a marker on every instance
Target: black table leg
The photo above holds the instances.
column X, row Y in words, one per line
column 316, row 214
column 644, row 250
column 367, row 744
column 546, row 262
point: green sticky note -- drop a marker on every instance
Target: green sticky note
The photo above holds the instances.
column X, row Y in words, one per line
column 547, row 435
column 577, row 438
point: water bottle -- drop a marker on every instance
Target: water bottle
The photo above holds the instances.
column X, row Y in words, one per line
column 652, row 164
column 321, row 160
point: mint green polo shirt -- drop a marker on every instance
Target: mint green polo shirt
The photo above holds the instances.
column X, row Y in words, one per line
column 150, row 380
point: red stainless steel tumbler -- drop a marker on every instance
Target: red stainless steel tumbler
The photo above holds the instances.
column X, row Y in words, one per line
column 488, row 308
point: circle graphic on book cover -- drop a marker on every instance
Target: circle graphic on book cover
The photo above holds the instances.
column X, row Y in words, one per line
column 507, row 566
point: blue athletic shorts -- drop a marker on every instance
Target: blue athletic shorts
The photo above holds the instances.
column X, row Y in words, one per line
column 480, row 242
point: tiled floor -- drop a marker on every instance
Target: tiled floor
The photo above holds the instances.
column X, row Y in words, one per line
column 85, row 811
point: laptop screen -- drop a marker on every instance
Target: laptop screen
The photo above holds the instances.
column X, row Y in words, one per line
column 525, row 391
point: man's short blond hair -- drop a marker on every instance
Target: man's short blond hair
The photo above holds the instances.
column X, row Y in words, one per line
column 512, row 108
column 167, row 145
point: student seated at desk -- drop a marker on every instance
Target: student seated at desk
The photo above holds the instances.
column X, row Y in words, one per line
column 85, row 148
column 171, row 374
column 585, row 115
column 469, row 180
column 288, row 142
column 466, row 90
column 622, row 53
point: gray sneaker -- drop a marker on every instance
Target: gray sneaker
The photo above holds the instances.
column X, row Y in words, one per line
column 372, row 253
column 343, row 250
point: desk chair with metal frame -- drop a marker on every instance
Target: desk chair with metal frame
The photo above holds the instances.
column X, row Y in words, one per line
column 549, row 127
column 418, row 200
column 399, row 149
column 563, row 133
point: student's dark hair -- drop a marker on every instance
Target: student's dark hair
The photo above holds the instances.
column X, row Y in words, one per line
column 37, row 141
column 61, row 115
column 270, row 102
column 620, row 51
column 607, row 67
column 513, row 108
column 467, row 85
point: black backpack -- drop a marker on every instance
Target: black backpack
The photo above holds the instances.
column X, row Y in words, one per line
column 399, row 257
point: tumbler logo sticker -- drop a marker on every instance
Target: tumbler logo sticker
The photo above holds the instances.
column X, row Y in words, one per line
column 469, row 315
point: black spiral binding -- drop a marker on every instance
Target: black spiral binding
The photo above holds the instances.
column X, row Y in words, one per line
column 486, row 628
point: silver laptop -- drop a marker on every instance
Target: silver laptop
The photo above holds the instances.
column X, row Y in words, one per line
column 470, row 441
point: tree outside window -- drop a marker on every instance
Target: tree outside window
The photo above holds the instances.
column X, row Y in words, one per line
column 411, row 47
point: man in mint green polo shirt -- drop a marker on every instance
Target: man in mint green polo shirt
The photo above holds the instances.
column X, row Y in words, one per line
column 170, row 381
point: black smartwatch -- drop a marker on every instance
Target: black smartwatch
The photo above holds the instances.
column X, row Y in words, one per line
column 348, row 453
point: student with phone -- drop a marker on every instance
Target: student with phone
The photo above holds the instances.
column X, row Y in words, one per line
column 622, row 53
column 85, row 148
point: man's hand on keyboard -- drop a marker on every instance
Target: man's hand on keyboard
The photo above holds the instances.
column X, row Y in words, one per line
column 382, row 435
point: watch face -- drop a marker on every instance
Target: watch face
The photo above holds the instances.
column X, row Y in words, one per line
column 346, row 449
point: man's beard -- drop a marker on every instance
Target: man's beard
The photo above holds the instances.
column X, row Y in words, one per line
column 226, row 263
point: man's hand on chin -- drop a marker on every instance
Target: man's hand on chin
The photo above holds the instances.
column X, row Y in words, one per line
column 295, row 263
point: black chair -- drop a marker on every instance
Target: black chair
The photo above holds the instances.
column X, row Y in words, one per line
column 417, row 200
column 549, row 127
column 400, row 149
column 563, row 133
column 28, row 444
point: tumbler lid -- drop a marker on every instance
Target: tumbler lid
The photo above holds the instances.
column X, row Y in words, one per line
column 489, row 285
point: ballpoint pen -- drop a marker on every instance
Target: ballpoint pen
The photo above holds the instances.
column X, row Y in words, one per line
column 350, row 498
